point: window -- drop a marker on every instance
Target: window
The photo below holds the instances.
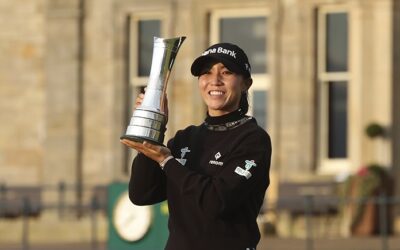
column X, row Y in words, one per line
column 259, row 100
column 147, row 30
column 142, row 31
column 142, row 28
column 337, row 119
column 248, row 29
column 336, row 42
column 333, row 82
column 249, row 34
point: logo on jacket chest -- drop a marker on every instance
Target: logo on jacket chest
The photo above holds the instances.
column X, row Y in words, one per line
column 216, row 162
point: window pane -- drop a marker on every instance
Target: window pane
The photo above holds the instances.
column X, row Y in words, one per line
column 336, row 42
column 337, row 120
column 148, row 29
column 250, row 34
column 259, row 107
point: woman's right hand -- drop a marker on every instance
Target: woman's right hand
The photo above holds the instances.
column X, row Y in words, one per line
column 139, row 100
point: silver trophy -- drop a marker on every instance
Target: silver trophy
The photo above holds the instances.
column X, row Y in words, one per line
column 148, row 122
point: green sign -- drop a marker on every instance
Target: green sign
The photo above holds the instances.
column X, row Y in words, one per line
column 134, row 227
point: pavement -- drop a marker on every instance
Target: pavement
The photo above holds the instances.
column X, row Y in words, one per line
column 370, row 243
column 267, row 243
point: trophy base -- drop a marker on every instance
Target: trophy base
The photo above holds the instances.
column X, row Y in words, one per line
column 146, row 125
column 141, row 139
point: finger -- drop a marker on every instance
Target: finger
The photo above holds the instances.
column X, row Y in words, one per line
column 150, row 146
column 132, row 144
column 153, row 148
column 142, row 145
column 139, row 100
column 157, row 150
column 141, row 149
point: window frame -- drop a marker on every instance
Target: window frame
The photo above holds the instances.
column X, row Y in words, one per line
column 261, row 82
column 134, row 18
column 137, row 83
column 325, row 164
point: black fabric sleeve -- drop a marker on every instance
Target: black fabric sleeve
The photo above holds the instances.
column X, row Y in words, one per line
column 147, row 184
column 219, row 195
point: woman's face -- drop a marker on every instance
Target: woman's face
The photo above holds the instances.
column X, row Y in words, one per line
column 221, row 89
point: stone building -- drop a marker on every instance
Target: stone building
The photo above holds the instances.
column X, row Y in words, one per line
column 323, row 71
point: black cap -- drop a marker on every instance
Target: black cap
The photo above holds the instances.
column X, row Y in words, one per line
column 231, row 55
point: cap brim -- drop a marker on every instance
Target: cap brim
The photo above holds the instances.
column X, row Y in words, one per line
column 200, row 62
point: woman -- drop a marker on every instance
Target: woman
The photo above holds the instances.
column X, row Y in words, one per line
column 214, row 175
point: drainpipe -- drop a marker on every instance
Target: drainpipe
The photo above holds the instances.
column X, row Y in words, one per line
column 80, row 104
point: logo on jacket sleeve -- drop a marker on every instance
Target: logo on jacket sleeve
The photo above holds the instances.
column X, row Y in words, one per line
column 182, row 160
column 246, row 172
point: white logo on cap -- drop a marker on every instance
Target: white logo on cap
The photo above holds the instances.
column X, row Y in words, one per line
column 220, row 50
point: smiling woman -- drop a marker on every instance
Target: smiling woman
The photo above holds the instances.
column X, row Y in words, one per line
column 214, row 175
column 224, row 77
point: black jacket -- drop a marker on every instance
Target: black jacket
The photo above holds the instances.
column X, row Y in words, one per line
column 215, row 186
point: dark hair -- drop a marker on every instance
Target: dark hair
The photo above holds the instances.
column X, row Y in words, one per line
column 244, row 103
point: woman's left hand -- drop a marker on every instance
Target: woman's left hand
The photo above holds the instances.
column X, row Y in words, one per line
column 154, row 152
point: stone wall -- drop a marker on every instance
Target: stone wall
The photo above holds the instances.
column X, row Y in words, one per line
column 22, row 91
column 63, row 92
